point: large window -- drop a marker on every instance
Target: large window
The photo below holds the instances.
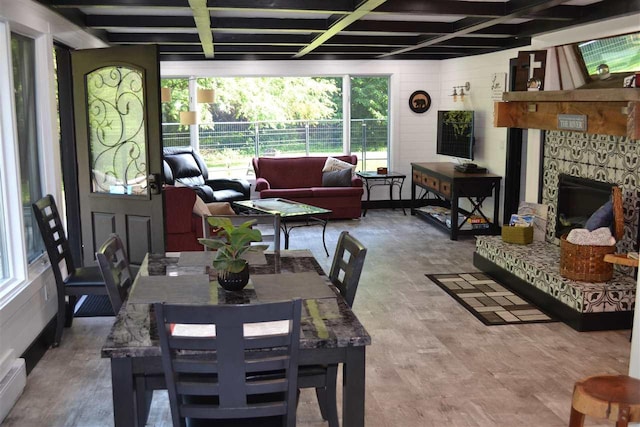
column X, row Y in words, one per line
column 23, row 59
column 278, row 116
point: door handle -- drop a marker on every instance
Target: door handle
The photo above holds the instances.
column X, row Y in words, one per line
column 154, row 183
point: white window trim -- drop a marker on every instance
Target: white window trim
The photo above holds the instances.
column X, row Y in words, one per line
column 9, row 174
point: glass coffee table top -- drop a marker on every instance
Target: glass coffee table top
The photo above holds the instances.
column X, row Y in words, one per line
column 286, row 208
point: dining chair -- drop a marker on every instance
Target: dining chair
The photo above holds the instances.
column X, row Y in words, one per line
column 269, row 226
column 71, row 281
column 231, row 365
column 114, row 265
column 346, row 268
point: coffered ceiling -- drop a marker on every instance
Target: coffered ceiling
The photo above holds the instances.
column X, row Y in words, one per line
column 331, row 29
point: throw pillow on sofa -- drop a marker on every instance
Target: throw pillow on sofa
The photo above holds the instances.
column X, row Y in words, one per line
column 333, row 164
column 339, row 178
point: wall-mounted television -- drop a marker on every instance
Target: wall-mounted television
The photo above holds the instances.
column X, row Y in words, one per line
column 455, row 133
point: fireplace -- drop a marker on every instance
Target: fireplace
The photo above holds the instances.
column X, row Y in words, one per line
column 578, row 198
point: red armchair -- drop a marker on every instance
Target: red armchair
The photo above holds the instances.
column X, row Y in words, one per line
column 182, row 226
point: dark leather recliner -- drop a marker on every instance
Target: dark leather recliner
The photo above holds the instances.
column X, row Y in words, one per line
column 183, row 165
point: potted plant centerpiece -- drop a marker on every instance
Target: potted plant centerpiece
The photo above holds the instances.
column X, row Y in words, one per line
column 231, row 243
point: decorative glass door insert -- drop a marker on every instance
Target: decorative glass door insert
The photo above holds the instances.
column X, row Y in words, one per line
column 115, row 97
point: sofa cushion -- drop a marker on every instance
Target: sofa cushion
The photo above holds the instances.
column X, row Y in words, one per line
column 333, row 164
column 286, row 193
column 338, row 178
column 337, row 192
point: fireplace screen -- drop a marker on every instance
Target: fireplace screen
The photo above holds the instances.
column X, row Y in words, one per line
column 578, row 198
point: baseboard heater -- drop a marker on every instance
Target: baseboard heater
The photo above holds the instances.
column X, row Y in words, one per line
column 11, row 385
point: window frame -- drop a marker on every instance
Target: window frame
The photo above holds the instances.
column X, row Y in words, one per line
column 9, row 174
column 21, row 273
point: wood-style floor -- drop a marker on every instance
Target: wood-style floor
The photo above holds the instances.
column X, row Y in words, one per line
column 431, row 362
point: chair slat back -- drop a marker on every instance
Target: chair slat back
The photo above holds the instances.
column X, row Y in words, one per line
column 270, row 226
column 347, row 266
column 54, row 237
column 226, row 371
column 114, row 265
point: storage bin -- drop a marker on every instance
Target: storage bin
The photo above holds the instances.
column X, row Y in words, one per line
column 518, row 235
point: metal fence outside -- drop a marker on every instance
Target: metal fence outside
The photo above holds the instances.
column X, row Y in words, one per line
column 226, row 146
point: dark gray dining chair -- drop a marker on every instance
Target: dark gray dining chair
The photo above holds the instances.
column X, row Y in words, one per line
column 224, row 375
column 114, row 265
column 77, row 281
column 346, row 268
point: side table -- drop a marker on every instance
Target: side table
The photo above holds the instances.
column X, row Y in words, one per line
column 392, row 179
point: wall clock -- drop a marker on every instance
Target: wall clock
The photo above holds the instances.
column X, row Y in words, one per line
column 419, row 101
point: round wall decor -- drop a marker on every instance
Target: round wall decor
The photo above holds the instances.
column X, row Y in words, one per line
column 419, row 101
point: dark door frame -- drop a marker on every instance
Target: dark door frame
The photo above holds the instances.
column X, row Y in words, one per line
column 68, row 150
column 513, row 166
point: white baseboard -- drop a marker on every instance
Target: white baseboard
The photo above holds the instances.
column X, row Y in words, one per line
column 11, row 386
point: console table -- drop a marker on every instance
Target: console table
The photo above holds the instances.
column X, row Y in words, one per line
column 448, row 186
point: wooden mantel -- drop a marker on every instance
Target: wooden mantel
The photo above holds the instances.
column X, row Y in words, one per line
column 608, row 111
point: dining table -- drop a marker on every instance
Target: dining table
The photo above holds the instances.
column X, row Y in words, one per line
column 330, row 331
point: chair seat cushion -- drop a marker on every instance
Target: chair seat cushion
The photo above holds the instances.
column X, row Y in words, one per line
column 85, row 276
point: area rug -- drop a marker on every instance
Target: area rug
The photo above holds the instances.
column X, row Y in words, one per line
column 94, row 306
column 488, row 300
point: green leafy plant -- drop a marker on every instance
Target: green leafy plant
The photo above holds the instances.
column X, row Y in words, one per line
column 232, row 243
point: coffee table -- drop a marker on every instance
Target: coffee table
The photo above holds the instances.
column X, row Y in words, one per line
column 290, row 211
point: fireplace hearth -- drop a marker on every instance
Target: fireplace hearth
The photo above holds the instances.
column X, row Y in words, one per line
column 578, row 198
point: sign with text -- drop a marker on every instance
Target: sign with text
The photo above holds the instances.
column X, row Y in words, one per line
column 576, row 122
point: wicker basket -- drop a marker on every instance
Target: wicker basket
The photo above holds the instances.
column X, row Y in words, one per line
column 518, row 235
column 586, row 262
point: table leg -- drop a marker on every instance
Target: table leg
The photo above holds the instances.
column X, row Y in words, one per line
column 123, row 392
column 366, row 185
column 391, row 184
column 353, row 387
column 285, row 231
column 400, row 195
column 324, row 243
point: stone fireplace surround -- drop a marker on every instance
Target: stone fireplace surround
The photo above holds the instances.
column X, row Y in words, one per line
column 533, row 270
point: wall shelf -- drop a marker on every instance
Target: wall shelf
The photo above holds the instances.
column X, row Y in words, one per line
column 608, row 111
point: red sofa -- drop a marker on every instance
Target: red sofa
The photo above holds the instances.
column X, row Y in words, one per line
column 300, row 179
column 182, row 226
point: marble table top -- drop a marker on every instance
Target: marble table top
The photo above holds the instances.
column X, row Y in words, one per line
column 326, row 322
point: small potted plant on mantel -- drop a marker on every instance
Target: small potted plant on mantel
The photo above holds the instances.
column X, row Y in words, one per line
column 231, row 243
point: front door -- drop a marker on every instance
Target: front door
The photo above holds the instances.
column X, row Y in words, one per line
column 119, row 148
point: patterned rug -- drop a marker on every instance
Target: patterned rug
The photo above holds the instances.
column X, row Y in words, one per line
column 93, row 306
column 488, row 300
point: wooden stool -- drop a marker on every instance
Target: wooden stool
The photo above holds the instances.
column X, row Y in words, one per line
column 610, row 397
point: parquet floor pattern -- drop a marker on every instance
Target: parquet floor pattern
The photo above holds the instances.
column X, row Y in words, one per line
column 431, row 362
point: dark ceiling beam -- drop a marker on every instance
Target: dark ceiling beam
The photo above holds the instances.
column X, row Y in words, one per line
column 558, row 13
column 426, row 27
column 373, row 40
column 401, row 27
column 128, row 21
column 479, row 43
column 324, row 6
column 443, row 7
column 515, row 9
column 166, row 38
